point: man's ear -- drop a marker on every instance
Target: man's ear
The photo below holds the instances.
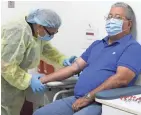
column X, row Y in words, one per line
column 130, row 24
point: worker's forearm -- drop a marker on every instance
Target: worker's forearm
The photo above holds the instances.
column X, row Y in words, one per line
column 61, row 74
column 110, row 83
column 13, row 74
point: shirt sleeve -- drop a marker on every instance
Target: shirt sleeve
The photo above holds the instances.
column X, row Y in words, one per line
column 86, row 54
column 131, row 58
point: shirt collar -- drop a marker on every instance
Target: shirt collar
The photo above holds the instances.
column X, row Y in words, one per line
column 121, row 40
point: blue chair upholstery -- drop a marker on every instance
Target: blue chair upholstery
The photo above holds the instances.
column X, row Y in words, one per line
column 120, row 92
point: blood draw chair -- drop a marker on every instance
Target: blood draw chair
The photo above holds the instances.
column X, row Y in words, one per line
column 66, row 86
column 116, row 101
column 121, row 92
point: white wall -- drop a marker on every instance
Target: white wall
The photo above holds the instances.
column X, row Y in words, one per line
column 76, row 16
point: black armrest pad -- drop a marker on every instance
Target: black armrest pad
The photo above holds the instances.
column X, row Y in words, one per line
column 118, row 92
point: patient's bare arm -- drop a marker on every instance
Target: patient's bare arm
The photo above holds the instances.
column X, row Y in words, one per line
column 65, row 72
column 122, row 78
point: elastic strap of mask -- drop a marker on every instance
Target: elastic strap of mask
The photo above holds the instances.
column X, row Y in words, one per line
column 124, row 29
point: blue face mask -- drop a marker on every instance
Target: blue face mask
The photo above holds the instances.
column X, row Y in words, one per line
column 114, row 26
column 46, row 37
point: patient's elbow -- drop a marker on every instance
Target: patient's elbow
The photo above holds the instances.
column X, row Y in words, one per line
column 75, row 69
column 122, row 82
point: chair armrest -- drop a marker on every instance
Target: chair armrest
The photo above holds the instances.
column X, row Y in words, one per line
column 70, row 81
column 118, row 92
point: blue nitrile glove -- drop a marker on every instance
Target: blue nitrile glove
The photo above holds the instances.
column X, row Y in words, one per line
column 68, row 62
column 36, row 84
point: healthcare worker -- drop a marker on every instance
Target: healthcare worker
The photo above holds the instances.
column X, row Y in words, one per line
column 23, row 43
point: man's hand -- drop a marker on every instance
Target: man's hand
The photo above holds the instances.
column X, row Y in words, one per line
column 80, row 103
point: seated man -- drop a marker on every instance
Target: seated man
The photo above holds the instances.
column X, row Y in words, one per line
column 112, row 62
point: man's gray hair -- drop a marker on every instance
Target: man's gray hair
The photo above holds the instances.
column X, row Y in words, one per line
column 128, row 10
column 130, row 15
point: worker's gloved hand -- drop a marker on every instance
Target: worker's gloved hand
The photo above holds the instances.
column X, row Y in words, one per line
column 36, row 84
column 68, row 62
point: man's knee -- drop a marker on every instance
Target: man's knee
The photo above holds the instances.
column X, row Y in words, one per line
column 37, row 112
column 43, row 111
column 59, row 107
